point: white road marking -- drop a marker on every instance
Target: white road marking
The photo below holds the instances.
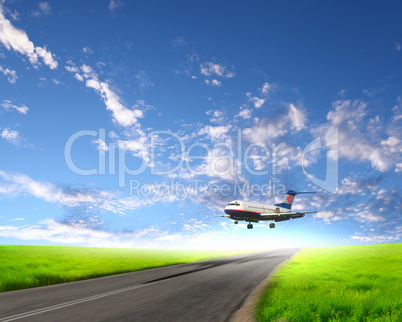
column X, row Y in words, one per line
column 61, row 305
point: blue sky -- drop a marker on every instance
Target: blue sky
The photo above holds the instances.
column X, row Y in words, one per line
column 181, row 107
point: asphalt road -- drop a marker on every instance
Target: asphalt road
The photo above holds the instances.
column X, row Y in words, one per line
column 211, row 290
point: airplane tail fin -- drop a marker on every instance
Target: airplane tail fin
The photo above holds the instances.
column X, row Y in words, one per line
column 290, row 196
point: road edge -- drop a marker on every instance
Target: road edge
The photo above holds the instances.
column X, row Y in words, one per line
column 246, row 311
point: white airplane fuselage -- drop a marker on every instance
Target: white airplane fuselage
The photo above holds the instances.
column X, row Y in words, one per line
column 241, row 210
column 255, row 212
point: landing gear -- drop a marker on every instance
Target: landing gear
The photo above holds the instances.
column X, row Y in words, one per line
column 236, row 222
column 272, row 225
column 249, row 226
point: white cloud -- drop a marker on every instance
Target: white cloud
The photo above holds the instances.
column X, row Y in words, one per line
column 219, row 162
column 45, row 7
column 78, row 77
column 140, row 107
column 71, row 67
column 258, row 102
column 137, row 141
column 327, row 216
column 398, row 167
column 179, row 41
column 18, row 183
column 267, row 129
column 103, row 201
column 11, row 74
column 43, row 82
column 397, row 46
column 44, row 10
column 259, row 158
column 297, row 118
column 216, row 83
column 343, row 110
column 288, row 156
column 56, row 232
column 244, row 113
column 266, row 88
column 100, row 146
column 121, row 114
column 75, row 234
column 387, row 236
column 367, row 215
column 216, row 116
column 210, row 69
column 17, row 219
column 114, row 4
column 87, row 50
column 143, row 80
column 14, row 15
column 381, row 193
column 88, row 70
column 16, row 39
column 214, row 132
column 11, row 136
column 358, row 138
column 363, row 150
column 397, row 113
column 138, row 147
column 350, row 186
column 7, row 105
column 194, row 57
column 392, row 145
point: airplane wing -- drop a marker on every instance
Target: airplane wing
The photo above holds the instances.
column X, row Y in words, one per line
column 286, row 215
column 302, row 213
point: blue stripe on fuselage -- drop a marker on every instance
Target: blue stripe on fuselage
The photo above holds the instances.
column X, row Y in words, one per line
column 242, row 214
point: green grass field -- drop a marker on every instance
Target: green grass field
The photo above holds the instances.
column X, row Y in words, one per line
column 31, row 266
column 356, row 283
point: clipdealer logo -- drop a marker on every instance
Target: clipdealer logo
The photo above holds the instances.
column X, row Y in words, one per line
column 231, row 162
column 330, row 141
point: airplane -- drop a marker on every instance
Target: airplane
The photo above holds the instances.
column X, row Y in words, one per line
column 252, row 212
